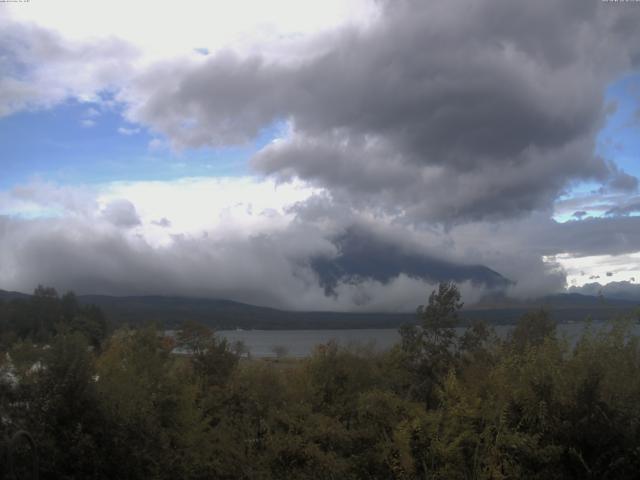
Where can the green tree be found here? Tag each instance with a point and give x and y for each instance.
(211, 357)
(431, 345)
(532, 330)
(63, 412)
(153, 428)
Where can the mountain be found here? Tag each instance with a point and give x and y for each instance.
(227, 314)
(6, 296)
(170, 311)
(556, 301)
(363, 255)
(564, 307)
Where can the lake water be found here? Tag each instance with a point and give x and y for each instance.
(300, 343)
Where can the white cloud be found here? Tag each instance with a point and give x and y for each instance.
(40, 67)
(186, 206)
(77, 49)
(251, 239)
(157, 144)
(217, 205)
(233, 238)
(44, 199)
(128, 131)
(601, 269)
(194, 24)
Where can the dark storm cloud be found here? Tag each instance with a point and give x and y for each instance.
(622, 181)
(592, 236)
(448, 111)
(224, 101)
(427, 193)
(541, 235)
(619, 181)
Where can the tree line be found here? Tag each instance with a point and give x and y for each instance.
(439, 404)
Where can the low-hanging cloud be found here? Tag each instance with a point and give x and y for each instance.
(312, 254)
(270, 268)
(625, 290)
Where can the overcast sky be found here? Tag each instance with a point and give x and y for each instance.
(320, 155)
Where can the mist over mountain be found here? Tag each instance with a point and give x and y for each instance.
(363, 256)
(624, 290)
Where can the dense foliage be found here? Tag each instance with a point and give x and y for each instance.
(439, 405)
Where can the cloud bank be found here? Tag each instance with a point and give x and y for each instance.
(435, 141)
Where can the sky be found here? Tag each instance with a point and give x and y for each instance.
(334, 155)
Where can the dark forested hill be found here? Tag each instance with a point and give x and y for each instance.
(4, 295)
(171, 311)
(225, 314)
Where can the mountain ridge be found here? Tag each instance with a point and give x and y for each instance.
(170, 311)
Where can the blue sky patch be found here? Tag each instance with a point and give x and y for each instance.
(88, 143)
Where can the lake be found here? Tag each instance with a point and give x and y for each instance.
(300, 343)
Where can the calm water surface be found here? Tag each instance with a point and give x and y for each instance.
(300, 343)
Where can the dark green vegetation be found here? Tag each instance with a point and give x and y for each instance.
(225, 314)
(439, 405)
(170, 312)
